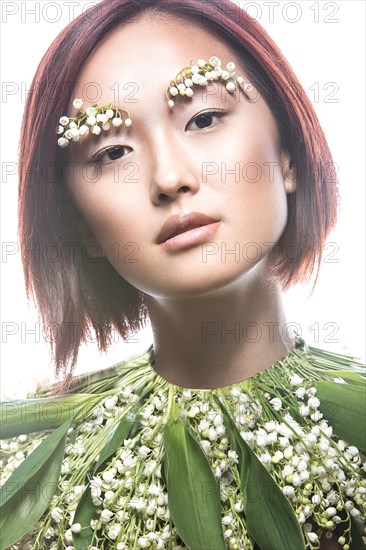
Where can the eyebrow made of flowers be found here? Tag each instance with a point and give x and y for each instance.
(94, 119)
(199, 72)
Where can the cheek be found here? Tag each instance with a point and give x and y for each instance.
(105, 219)
(253, 186)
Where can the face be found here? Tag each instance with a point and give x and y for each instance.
(215, 154)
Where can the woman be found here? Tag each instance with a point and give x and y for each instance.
(191, 191)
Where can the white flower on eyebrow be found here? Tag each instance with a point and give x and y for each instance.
(77, 103)
(94, 119)
(200, 72)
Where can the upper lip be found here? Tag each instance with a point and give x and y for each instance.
(184, 221)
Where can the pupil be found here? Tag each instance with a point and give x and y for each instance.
(114, 153)
(203, 120)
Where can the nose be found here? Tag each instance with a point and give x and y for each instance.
(173, 170)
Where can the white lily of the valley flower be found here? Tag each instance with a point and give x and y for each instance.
(230, 86)
(101, 117)
(117, 122)
(296, 380)
(144, 451)
(235, 392)
(106, 515)
(311, 438)
(238, 506)
(283, 442)
(276, 403)
(63, 142)
(288, 490)
(304, 410)
(111, 402)
(68, 535)
(193, 411)
(91, 120)
(300, 392)
(77, 103)
(113, 531)
(270, 426)
(108, 496)
(277, 457)
(271, 437)
(352, 450)
(214, 61)
(84, 130)
(56, 514)
(313, 402)
(96, 130)
(109, 475)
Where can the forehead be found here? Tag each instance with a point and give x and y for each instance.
(136, 61)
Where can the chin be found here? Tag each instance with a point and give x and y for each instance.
(202, 282)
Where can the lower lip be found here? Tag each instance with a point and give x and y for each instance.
(190, 238)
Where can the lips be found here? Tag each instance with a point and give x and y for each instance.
(181, 223)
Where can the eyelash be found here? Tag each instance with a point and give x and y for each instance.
(97, 158)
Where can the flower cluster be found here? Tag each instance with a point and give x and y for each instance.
(276, 413)
(94, 119)
(207, 420)
(14, 452)
(320, 477)
(201, 72)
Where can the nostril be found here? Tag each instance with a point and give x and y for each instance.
(162, 197)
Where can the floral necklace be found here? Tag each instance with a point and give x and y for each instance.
(129, 460)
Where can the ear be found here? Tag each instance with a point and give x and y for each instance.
(91, 247)
(288, 171)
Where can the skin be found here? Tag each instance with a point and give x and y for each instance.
(168, 149)
(182, 291)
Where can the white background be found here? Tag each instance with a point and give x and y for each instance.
(324, 43)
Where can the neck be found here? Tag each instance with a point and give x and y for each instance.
(219, 339)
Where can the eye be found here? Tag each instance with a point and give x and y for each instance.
(206, 119)
(112, 153)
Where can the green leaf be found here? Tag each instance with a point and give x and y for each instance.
(34, 415)
(86, 510)
(193, 492)
(344, 407)
(270, 518)
(357, 542)
(348, 376)
(127, 427)
(26, 494)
